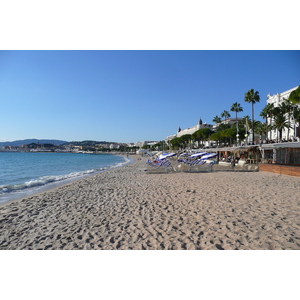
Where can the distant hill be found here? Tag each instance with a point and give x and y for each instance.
(29, 141)
(89, 143)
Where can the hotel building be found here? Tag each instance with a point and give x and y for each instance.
(277, 100)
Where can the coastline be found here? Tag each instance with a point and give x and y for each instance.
(126, 208)
(31, 191)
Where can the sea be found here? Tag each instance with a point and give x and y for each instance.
(26, 173)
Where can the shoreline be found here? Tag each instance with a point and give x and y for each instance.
(126, 208)
(31, 191)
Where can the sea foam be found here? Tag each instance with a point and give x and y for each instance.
(15, 191)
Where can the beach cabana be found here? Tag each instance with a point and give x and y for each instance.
(281, 153)
(281, 158)
(242, 158)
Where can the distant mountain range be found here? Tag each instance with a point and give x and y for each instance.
(29, 141)
(55, 142)
(89, 143)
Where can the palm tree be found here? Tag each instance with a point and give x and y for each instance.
(252, 97)
(267, 112)
(225, 114)
(294, 96)
(261, 128)
(288, 109)
(217, 120)
(264, 114)
(245, 124)
(280, 122)
(245, 120)
(237, 108)
(294, 99)
(269, 109)
(296, 117)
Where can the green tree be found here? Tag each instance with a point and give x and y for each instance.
(280, 120)
(294, 96)
(217, 120)
(201, 135)
(269, 111)
(229, 133)
(175, 143)
(261, 128)
(296, 116)
(160, 146)
(252, 97)
(216, 137)
(197, 136)
(185, 140)
(225, 114)
(287, 108)
(294, 99)
(264, 114)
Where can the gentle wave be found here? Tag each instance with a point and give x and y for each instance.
(44, 180)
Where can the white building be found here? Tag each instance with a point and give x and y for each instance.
(277, 100)
(228, 121)
(145, 143)
(189, 130)
(114, 146)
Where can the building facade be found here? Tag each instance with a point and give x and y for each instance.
(190, 130)
(276, 100)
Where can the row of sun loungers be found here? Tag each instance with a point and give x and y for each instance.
(166, 166)
(163, 166)
(194, 164)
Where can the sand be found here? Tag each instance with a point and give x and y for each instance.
(126, 208)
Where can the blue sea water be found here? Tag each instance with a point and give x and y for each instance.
(25, 173)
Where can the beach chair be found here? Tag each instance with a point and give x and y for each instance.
(183, 165)
(245, 166)
(160, 166)
(250, 167)
(201, 166)
(196, 165)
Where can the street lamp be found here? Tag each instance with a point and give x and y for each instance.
(246, 136)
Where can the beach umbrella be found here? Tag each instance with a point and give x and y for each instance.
(184, 154)
(198, 154)
(165, 155)
(209, 155)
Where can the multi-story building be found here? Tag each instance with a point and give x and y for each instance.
(277, 100)
(140, 145)
(189, 130)
(229, 121)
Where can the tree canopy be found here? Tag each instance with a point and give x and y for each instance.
(295, 96)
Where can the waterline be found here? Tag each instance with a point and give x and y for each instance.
(20, 188)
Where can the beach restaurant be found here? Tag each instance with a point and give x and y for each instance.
(281, 158)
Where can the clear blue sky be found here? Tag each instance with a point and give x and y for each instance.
(129, 96)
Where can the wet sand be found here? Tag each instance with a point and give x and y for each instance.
(126, 208)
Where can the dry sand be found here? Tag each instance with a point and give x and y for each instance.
(127, 208)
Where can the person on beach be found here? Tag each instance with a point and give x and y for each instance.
(233, 162)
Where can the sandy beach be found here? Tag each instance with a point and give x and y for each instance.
(126, 208)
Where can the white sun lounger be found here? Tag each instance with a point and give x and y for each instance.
(163, 166)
